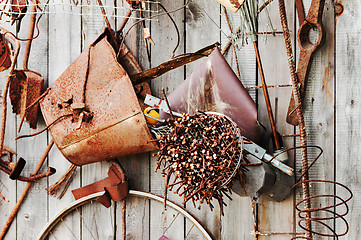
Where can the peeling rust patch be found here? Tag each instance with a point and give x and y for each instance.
(326, 86)
(339, 8)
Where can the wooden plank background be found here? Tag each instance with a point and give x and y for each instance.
(331, 113)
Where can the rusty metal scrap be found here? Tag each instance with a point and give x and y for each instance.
(172, 64)
(25, 88)
(26, 190)
(118, 127)
(5, 60)
(313, 20)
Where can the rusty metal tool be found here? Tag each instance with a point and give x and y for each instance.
(172, 64)
(15, 168)
(313, 21)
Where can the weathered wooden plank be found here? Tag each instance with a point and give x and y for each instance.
(64, 48)
(8, 186)
(101, 220)
(161, 52)
(237, 222)
(347, 100)
(202, 27)
(33, 213)
(136, 166)
(319, 114)
(275, 216)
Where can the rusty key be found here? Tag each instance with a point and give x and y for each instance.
(313, 21)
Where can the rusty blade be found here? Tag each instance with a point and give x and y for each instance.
(302, 74)
(172, 64)
(315, 13)
(300, 11)
(307, 49)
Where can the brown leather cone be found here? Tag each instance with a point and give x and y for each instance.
(116, 127)
(213, 86)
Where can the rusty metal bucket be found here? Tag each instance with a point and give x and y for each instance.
(94, 110)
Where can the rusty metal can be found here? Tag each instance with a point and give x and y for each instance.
(96, 81)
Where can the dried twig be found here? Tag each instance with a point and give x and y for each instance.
(63, 182)
(234, 47)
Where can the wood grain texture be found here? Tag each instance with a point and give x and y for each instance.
(137, 167)
(8, 186)
(102, 223)
(64, 48)
(270, 216)
(33, 212)
(237, 222)
(331, 111)
(161, 52)
(348, 99)
(202, 27)
(319, 113)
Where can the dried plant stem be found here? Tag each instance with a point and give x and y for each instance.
(255, 219)
(125, 20)
(6, 89)
(264, 6)
(266, 97)
(25, 192)
(65, 181)
(166, 101)
(124, 224)
(234, 47)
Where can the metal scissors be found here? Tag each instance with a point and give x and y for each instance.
(313, 21)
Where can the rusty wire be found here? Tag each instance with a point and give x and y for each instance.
(331, 210)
